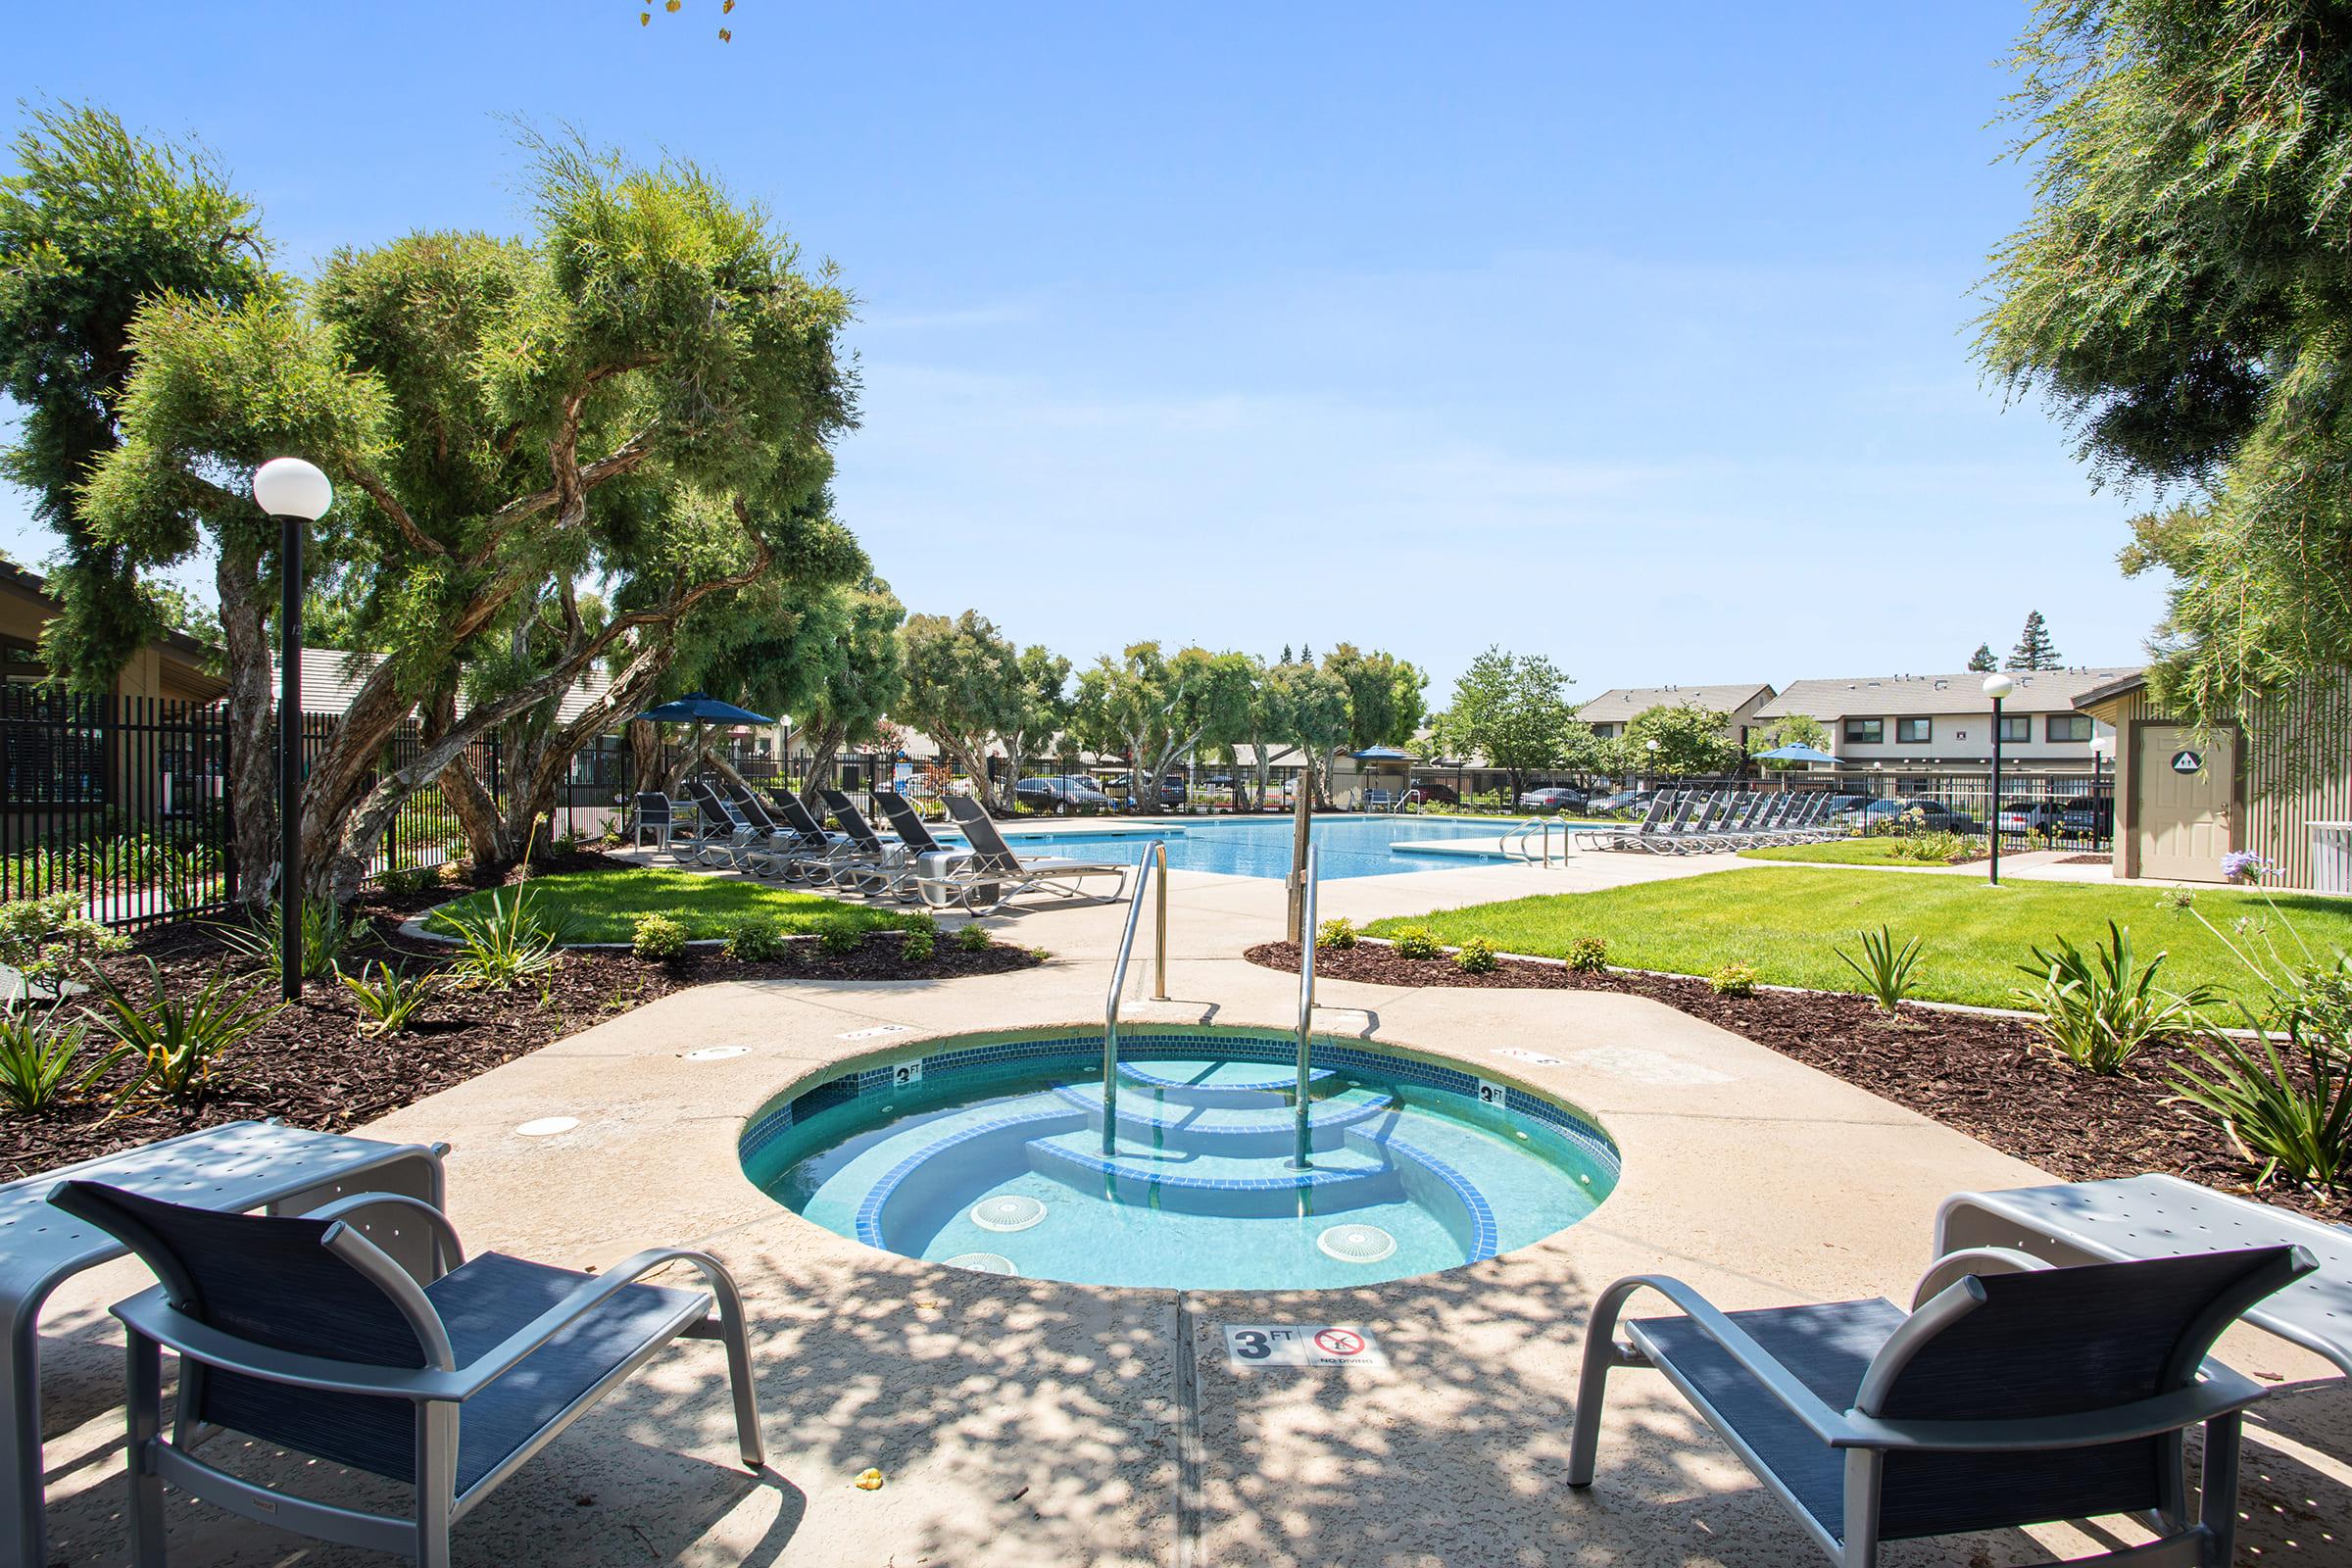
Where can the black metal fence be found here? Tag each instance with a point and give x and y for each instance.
(126, 800)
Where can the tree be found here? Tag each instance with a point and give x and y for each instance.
(1385, 703)
(1307, 709)
(96, 224)
(963, 687)
(1510, 709)
(1792, 729)
(2034, 650)
(1036, 709)
(2180, 297)
(1157, 710)
(1982, 660)
(642, 393)
(1691, 741)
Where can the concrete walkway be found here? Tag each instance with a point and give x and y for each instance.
(1029, 1423)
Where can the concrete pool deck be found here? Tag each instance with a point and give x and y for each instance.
(1026, 1422)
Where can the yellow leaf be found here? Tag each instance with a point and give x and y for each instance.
(644, 19)
(869, 1480)
(724, 36)
(671, 6)
(725, 6)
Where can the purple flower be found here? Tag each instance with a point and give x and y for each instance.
(2243, 865)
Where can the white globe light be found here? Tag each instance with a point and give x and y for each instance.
(1997, 687)
(289, 487)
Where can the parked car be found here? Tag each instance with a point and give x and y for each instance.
(2042, 818)
(1623, 801)
(1551, 799)
(1121, 789)
(1061, 794)
(1430, 791)
(1932, 816)
(1847, 809)
(2086, 817)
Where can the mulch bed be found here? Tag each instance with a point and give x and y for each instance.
(1980, 1074)
(310, 1066)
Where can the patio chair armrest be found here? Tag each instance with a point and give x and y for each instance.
(449, 1250)
(1953, 1266)
(2219, 1391)
(500, 1358)
(1831, 1426)
(151, 1314)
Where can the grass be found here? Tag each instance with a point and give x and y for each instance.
(1787, 923)
(605, 905)
(1837, 851)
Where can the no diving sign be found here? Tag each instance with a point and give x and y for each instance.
(1254, 1345)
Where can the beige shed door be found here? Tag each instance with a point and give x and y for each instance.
(2184, 784)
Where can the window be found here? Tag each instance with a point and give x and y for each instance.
(1915, 731)
(1603, 731)
(2017, 727)
(2068, 727)
(1865, 732)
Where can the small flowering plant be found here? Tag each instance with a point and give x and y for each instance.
(2310, 992)
(2244, 868)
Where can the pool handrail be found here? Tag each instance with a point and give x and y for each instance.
(1118, 983)
(1302, 1136)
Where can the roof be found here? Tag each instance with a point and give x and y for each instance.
(1618, 706)
(35, 585)
(331, 679)
(2039, 691)
(2120, 687)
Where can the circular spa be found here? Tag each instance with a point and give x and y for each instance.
(989, 1154)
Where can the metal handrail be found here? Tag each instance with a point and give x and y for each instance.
(1307, 1007)
(1118, 983)
(1540, 824)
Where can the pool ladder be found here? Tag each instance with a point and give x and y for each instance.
(1542, 827)
(1150, 872)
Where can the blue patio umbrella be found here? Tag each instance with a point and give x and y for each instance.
(1797, 752)
(1383, 753)
(705, 707)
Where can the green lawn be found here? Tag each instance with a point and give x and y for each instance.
(1837, 851)
(1786, 922)
(605, 905)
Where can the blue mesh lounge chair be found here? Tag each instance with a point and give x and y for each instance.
(302, 1333)
(2012, 1393)
(804, 850)
(995, 874)
(879, 868)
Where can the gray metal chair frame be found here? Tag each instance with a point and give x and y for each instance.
(1609, 838)
(806, 850)
(241, 1166)
(996, 874)
(2028, 1450)
(315, 1402)
(880, 867)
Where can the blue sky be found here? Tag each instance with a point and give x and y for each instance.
(1638, 338)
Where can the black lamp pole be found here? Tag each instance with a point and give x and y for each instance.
(289, 756)
(1997, 791)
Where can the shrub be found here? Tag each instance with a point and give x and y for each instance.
(1937, 848)
(406, 881)
(2296, 1123)
(503, 941)
(973, 938)
(919, 944)
(41, 1060)
(180, 1041)
(755, 942)
(52, 938)
(1416, 942)
(1734, 980)
(1337, 933)
(387, 1002)
(2099, 1010)
(327, 933)
(841, 939)
(1476, 956)
(658, 939)
(187, 875)
(1589, 954)
(1887, 971)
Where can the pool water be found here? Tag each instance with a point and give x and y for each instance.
(1349, 845)
(997, 1164)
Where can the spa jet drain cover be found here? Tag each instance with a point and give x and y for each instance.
(1010, 1211)
(1356, 1244)
(983, 1262)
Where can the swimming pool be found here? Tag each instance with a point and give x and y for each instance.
(1349, 845)
(987, 1154)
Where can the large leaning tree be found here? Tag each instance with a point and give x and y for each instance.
(1512, 711)
(2181, 295)
(1157, 709)
(963, 686)
(638, 396)
(96, 222)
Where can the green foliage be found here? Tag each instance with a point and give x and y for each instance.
(973, 938)
(753, 942)
(2298, 1122)
(52, 938)
(1416, 942)
(1476, 956)
(2034, 650)
(180, 1042)
(1384, 705)
(187, 874)
(1511, 709)
(1981, 661)
(1587, 954)
(919, 944)
(841, 938)
(1734, 980)
(1794, 730)
(658, 939)
(962, 684)
(1154, 710)
(41, 1059)
(327, 934)
(407, 881)
(2099, 1010)
(1691, 741)
(1887, 971)
(391, 999)
(1337, 933)
(504, 938)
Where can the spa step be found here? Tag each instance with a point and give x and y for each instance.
(1240, 1130)
(1200, 1183)
(1224, 1083)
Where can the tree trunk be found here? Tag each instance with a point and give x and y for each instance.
(252, 744)
(461, 790)
(647, 771)
(827, 747)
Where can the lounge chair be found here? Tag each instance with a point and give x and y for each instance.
(654, 813)
(803, 851)
(302, 1333)
(728, 835)
(912, 831)
(1610, 838)
(880, 867)
(995, 874)
(2012, 1393)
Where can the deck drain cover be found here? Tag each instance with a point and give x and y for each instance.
(1356, 1244)
(717, 1052)
(548, 1126)
(983, 1262)
(1013, 1211)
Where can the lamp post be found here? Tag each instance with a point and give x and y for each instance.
(297, 495)
(1996, 687)
(1652, 744)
